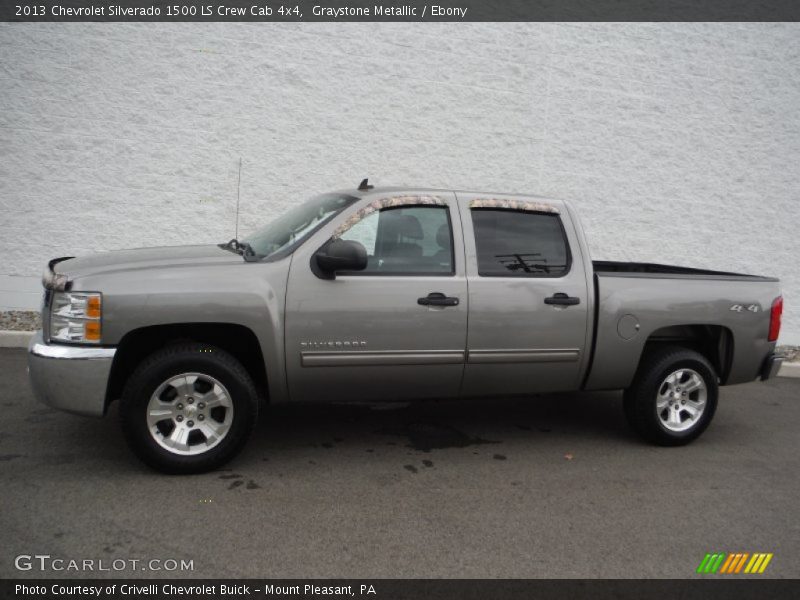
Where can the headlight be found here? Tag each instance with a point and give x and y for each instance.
(76, 317)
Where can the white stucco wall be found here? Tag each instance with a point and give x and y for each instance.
(679, 143)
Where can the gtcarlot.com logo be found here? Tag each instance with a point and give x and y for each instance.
(733, 563)
(46, 562)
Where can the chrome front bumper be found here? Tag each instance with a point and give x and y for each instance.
(70, 378)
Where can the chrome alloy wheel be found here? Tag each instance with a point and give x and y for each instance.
(681, 400)
(189, 413)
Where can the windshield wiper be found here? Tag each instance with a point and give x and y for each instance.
(243, 249)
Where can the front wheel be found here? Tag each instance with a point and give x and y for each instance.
(188, 408)
(673, 397)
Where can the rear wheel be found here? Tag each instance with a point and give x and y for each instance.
(188, 408)
(673, 397)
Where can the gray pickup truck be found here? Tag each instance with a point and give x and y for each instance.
(390, 294)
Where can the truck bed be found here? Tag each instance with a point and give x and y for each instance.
(648, 297)
(637, 269)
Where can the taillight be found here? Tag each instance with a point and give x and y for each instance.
(775, 318)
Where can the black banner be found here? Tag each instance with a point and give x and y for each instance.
(397, 10)
(402, 589)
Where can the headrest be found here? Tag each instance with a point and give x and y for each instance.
(443, 236)
(405, 225)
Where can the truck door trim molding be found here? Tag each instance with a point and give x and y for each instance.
(381, 358)
(524, 355)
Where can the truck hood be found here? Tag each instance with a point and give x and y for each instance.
(145, 258)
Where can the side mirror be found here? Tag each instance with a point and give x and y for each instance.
(339, 255)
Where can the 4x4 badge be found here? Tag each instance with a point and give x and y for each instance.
(754, 308)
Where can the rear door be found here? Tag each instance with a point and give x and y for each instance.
(528, 296)
(396, 330)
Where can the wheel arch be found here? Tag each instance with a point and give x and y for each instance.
(714, 342)
(237, 340)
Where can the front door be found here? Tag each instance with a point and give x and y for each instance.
(396, 330)
(528, 300)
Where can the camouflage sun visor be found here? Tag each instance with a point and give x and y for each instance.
(383, 203)
(525, 205)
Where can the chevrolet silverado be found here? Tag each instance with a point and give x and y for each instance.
(390, 294)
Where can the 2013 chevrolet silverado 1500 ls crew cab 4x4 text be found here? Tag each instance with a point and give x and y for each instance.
(390, 294)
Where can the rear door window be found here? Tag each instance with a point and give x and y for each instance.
(512, 243)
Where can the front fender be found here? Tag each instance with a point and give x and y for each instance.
(251, 295)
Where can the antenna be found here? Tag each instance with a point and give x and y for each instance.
(364, 185)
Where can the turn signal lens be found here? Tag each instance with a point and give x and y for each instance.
(91, 331)
(93, 307)
(775, 319)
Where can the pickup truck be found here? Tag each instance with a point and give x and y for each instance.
(382, 294)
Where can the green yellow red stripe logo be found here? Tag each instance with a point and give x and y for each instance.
(731, 563)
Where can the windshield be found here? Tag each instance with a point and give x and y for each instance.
(286, 232)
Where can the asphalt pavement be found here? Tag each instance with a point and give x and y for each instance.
(550, 486)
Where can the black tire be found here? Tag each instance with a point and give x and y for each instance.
(173, 361)
(640, 399)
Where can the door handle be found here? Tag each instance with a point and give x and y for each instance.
(562, 299)
(437, 299)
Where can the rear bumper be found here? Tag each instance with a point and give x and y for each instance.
(70, 378)
(771, 366)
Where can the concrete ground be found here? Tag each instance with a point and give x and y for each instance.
(554, 486)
